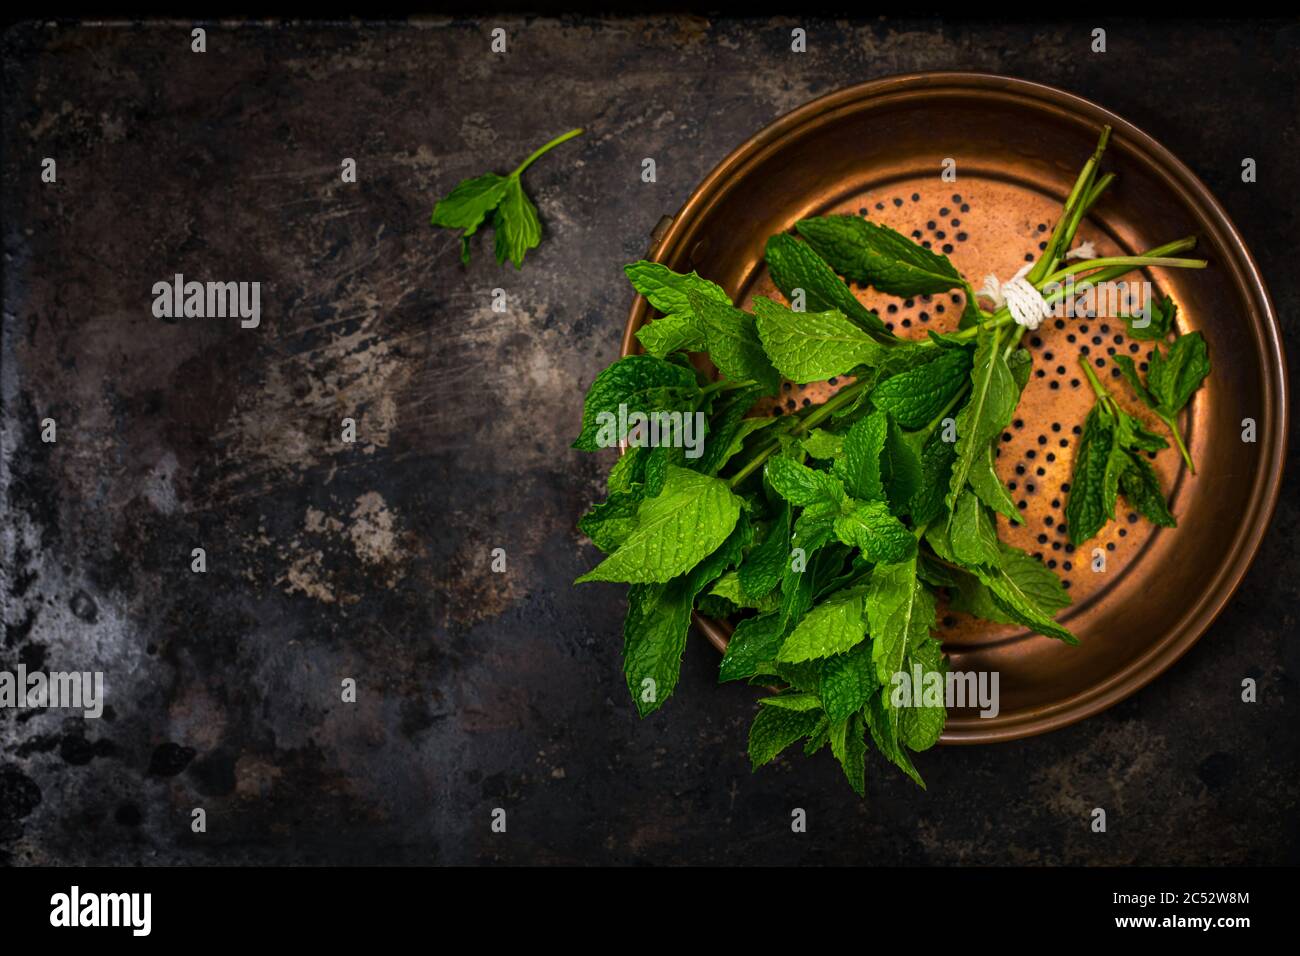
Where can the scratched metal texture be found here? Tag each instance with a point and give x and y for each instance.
(326, 561)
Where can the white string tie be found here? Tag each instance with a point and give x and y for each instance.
(1022, 300)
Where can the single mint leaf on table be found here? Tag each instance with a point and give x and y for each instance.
(514, 216)
(793, 265)
(691, 517)
(812, 346)
(868, 252)
(1174, 375)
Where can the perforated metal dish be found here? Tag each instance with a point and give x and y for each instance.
(878, 150)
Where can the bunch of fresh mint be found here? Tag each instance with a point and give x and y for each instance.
(825, 534)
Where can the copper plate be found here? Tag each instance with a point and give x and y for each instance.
(1017, 147)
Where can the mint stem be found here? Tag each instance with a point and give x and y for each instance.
(541, 151)
(1097, 387)
(1172, 422)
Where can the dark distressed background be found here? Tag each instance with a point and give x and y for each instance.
(481, 690)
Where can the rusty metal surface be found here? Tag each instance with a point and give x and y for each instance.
(876, 150)
(479, 690)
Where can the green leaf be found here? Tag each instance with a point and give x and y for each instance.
(860, 467)
(900, 467)
(658, 622)
(687, 521)
(801, 485)
(820, 443)
(972, 533)
(727, 431)
(774, 729)
(1089, 505)
(831, 627)
(642, 383)
(517, 226)
(900, 614)
(609, 523)
(883, 722)
(1033, 579)
(937, 456)
(753, 645)
(796, 701)
(812, 346)
(988, 487)
(847, 681)
(733, 344)
(921, 724)
(468, 205)
(1021, 364)
(1140, 486)
(917, 397)
(1130, 371)
(1173, 377)
(875, 532)
(849, 745)
(761, 570)
(1017, 594)
(670, 292)
(992, 402)
(793, 265)
(869, 252)
(1153, 327)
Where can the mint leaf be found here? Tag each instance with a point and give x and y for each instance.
(793, 265)
(917, 397)
(831, 627)
(849, 746)
(847, 681)
(921, 724)
(517, 226)
(733, 344)
(875, 532)
(642, 383)
(812, 346)
(1172, 377)
(984, 481)
(992, 402)
(774, 729)
(760, 572)
(1090, 504)
(972, 533)
(679, 329)
(1140, 487)
(820, 443)
(752, 646)
(514, 216)
(609, 523)
(688, 520)
(468, 205)
(937, 456)
(900, 613)
(871, 253)
(1153, 327)
(883, 722)
(801, 485)
(796, 701)
(859, 467)
(727, 429)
